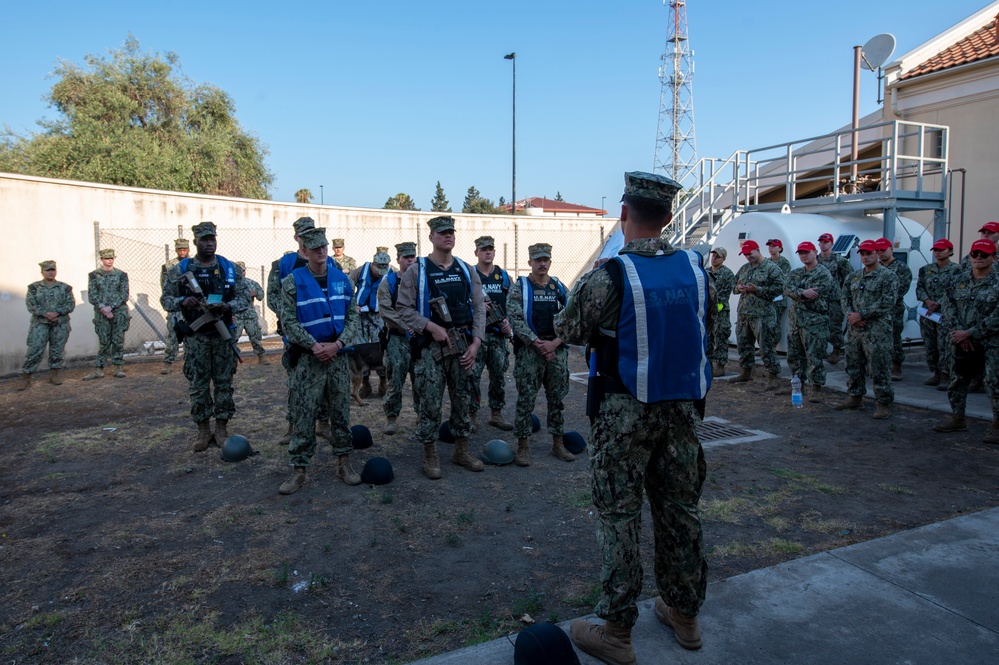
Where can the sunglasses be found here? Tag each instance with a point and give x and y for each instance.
(979, 255)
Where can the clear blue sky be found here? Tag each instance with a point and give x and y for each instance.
(371, 98)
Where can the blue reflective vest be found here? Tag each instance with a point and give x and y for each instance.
(367, 288)
(423, 296)
(393, 282)
(286, 264)
(527, 294)
(322, 314)
(661, 334)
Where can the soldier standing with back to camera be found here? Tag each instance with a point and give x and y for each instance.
(646, 314)
(107, 291)
(495, 351)
(840, 268)
(209, 360)
(542, 359)
(439, 364)
(181, 248)
(49, 302)
(398, 356)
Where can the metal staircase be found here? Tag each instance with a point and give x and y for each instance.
(901, 167)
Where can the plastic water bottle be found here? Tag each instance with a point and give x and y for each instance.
(796, 391)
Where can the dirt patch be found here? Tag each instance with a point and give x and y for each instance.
(118, 545)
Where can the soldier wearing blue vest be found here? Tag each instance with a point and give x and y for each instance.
(398, 357)
(366, 280)
(443, 275)
(495, 351)
(319, 313)
(647, 314)
(280, 269)
(541, 357)
(209, 360)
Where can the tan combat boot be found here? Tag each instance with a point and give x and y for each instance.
(773, 382)
(391, 427)
(463, 458)
(746, 375)
(816, 395)
(262, 360)
(496, 420)
(204, 436)
(992, 436)
(345, 472)
(685, 628)
(610, 642)
(323, 429)
(119, 373)
(25, 381)
(523, 455)
(559, 451)
(54, 377)
(221, 431)
(286, 437)
(167, 368)
(944, 382)
(883, 411)
(96, 374)
(896, 371)
(851, 402)
(955, 423)
(718, 369)
(296, 480)
(834, 356)
(431, 463)
(933, 380)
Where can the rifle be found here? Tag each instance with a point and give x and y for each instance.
(209, 317)
(459, 343)
(494, 317)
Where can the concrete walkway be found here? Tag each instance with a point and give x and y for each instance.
(929, 595)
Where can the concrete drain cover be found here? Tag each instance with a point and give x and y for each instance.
(716, 431)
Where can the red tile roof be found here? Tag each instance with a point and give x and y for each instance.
(552, 206)
(981, 44)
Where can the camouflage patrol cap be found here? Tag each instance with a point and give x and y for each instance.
(181, 243)
(337, 242)
(441, 224)
(380, 248)
(542, 250)
(203, 229)
(720, 251)
(382, 259)
(406, 249)
(47, 265)
(314, 238)
(303, 224)
(651, 186)
(484, 241)
(106, 253)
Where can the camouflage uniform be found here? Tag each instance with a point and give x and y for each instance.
(247, 319)
(933, 284)
(109, 288)
(872, 295)
(757, 320)
(780, 304)
(208, 359)
(899, 312)
(531, 370)
(494, 353)
(634, 446)
(347, 264)
(398, 356)
(40, 299)
(724, 281)
(808, 322)
(972, 307)
(840, 268)
(432, 376)
(172, 344)
(314, 383)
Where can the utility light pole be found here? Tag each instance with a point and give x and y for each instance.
(513, 203)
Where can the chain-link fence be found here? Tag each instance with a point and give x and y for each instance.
(142, 252)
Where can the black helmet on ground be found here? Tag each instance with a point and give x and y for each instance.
(236, 449)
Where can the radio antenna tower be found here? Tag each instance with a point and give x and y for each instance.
(676, 150)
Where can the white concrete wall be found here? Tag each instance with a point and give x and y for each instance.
(43, 218)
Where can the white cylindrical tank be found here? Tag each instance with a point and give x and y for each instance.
(912, 245)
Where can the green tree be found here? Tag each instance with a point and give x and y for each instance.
(558, 196)
(439, 203)
(476, 203)
(304, 196)
(400, 201)
(133, 119)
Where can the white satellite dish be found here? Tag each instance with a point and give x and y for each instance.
(877, 51)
